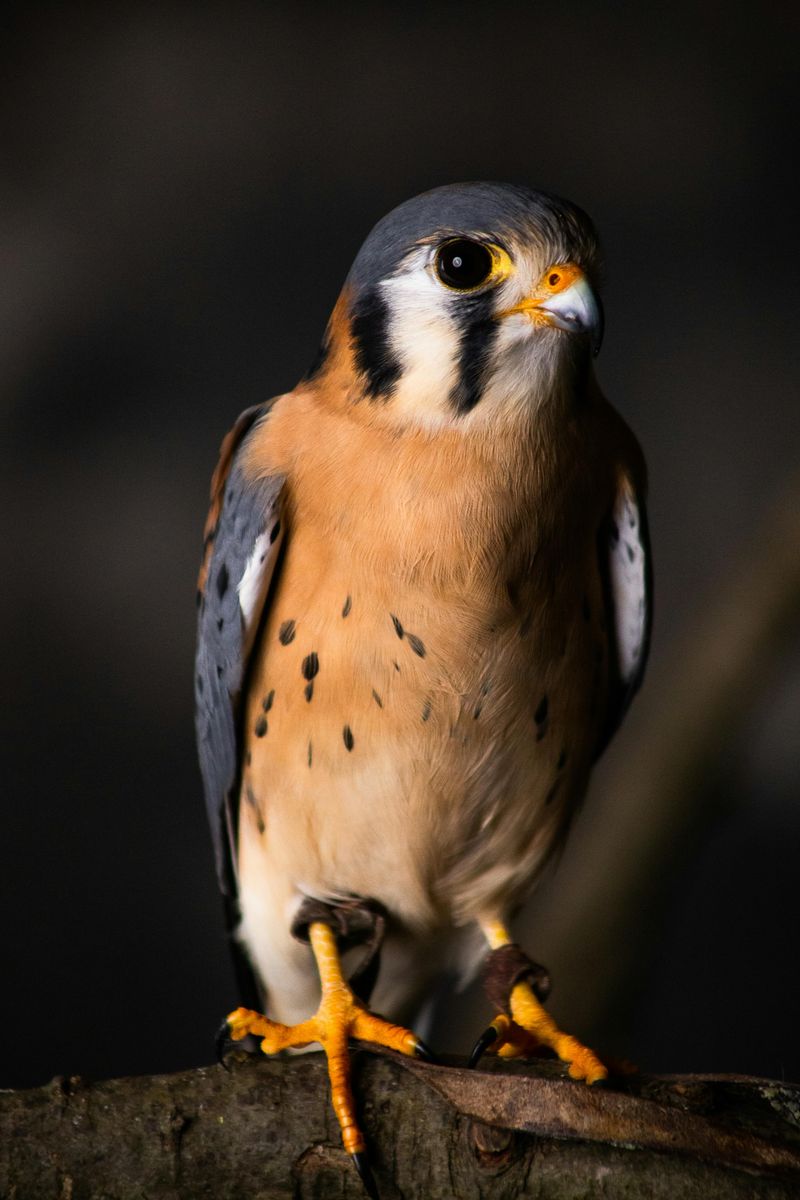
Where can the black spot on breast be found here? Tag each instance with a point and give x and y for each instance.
(347, 606)
(562, 761)
(347, 735)
(416, 644)
(220, 623)
(260, 727)
(266, 703)
(252, 800)
(377, 698)
(551, 795)
(540, 717)
(286, 633)
(613, 532)
(200, 684)
(374, 357)
(398, 628)
(310, 665)
(310, 753)
(223, 580)
(426, 710)
(273, 533)
(396, 665)
(630, 552)
(308, 690)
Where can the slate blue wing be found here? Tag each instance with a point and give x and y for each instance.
(244, 534)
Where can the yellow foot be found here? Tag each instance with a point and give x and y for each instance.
(531, 1029)
(339, 1017)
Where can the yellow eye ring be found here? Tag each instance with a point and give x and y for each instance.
(466, 265)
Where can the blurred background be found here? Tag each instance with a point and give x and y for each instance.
(183, 188)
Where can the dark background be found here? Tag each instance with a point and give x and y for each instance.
(182, 190)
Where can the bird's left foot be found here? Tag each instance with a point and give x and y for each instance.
(517, 986)
(529, 1031)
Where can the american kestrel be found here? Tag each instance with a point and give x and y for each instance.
(424, 609)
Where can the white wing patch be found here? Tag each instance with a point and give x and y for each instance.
(255, 581)
(628, 578)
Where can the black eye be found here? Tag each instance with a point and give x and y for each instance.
(463, 264)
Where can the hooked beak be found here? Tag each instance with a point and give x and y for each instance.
(565, 298)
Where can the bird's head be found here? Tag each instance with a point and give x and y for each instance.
(468, 301)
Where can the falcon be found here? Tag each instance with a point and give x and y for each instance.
(424, 610)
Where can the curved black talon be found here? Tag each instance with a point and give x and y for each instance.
(482, 1045)
(361, 1163)
(424, 1052)
(221, 1041)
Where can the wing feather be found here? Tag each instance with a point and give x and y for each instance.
(244, 534)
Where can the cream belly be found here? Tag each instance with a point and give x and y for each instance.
(416, 749)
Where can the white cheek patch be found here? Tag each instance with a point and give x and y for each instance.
(425, 340)
(628, 578)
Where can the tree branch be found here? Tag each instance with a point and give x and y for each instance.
(266, 1131)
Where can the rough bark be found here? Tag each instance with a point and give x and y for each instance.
(265, 1131)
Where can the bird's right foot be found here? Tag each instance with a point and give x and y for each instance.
(340, 1016)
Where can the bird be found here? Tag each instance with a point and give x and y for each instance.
(424, 608)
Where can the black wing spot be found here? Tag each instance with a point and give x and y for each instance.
(309, 690)
(286, 633)
(348, 604)
(347, 735)
(426, 710)
(273, 533)
(562, 761)
(266, 703)
(200, 684)
(630, 552)
(540, 716)
(377, 698)
(398, 628)
(310, 665)
(310, 753)
(260, 727)
(220, 623)
(223, 580)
